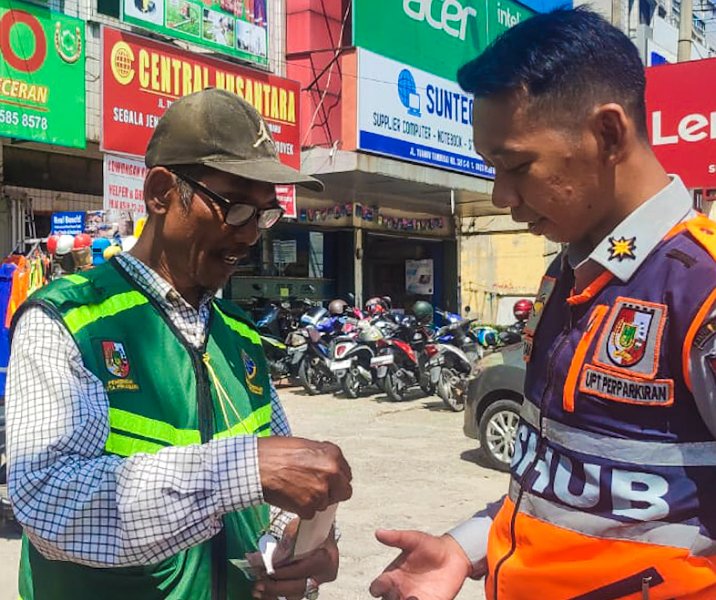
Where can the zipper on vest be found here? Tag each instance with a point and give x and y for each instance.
(530, 470)
(639, 582)
(206, 423)
(206, 429)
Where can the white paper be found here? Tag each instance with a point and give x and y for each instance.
(313, 532)
(267, 547)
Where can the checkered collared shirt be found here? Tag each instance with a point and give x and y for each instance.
(78, 504)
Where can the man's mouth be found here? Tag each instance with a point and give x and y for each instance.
(233, 257)
(535, 225)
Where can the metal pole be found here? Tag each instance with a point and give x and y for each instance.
(617, 14)
(685, 29)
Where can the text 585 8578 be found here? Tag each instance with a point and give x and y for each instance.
(16, 118)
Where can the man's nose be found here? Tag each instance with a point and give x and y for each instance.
(504, 195)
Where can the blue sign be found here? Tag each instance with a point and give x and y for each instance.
(657, 59)
(409, 114)
(544, 6)
(71, 223)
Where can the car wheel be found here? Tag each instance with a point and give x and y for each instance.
(498, 430)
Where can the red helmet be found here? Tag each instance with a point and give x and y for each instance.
(375, 306)
(522, 309)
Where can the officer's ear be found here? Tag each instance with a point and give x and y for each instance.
(160, 190)
(613, 131)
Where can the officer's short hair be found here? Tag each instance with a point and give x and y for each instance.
(568, 61)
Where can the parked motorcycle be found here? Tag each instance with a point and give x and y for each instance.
(402, 360)
(314, 371)
(359, 357)
(451, 360)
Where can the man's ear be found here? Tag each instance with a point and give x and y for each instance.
(159, 190)
(613, 131)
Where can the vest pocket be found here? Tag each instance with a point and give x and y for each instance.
(639, 582)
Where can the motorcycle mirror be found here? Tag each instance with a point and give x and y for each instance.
(352, 297)
(467, 310)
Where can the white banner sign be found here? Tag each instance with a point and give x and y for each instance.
(413, 115)
(124, 184)
(419, 276)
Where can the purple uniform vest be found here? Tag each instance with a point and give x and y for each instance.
(624, 452)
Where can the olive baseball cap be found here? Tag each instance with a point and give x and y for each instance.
(218, 129)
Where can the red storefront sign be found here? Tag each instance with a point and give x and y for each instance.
(681, 112)
(141, 78)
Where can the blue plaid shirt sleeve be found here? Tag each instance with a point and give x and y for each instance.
(80, 505)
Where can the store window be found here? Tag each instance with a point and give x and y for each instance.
(110, 8)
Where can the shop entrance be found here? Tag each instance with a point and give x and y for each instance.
(384, 270)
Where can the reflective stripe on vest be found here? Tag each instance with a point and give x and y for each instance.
(240, 328)
(82, 316)
(675, 535)
(76, 279)
(623, 450)
(155, 435)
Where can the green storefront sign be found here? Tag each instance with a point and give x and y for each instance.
(235, 27)
(437, 36)
(42, 75)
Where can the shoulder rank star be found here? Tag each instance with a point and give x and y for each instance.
(622, 248)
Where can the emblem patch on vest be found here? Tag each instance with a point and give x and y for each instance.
(117, 364)
(622, 248)
(631, 339)
(252, 371)
(115, 359)
(704, 334)
(543, 295)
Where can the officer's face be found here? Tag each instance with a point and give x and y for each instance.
(550, 179)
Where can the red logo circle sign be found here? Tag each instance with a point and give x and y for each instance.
(32, 63)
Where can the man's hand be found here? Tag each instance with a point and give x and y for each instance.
(303, 476)
(428, 568)
(289, 580)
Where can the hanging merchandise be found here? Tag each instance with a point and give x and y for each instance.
(111, 251)
(99, 245)
(139, 226)
(20, 276)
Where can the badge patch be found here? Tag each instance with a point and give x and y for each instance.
(622, 248)
(543, 295)
(631, 339)
(626, 344)
(602, 383)
(115, 359)
(704, 334)
(526, 348)
(252, 371)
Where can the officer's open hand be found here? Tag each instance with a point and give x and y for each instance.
(303, 476)
(428, 568)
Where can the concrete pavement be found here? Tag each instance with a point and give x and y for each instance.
(412, 468)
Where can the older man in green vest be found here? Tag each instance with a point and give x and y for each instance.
(149, 453)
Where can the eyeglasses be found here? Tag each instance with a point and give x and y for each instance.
(237, 214)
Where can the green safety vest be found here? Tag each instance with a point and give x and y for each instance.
(162, 392)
